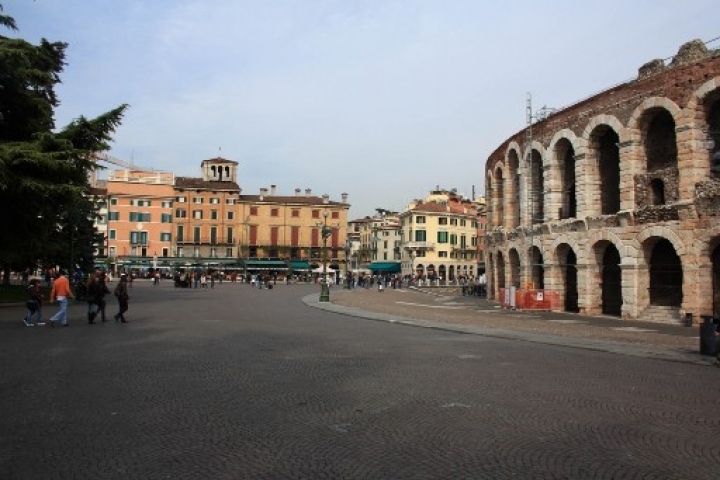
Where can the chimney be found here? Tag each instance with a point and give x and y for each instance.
(326, 198)
(297, 192)
(263, 192)
(308, 192)
(344, 197)
(272, 190)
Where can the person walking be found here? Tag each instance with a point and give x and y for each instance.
(34, 304)
(121, 292)
(60, 292)
(102, 290)
(96, 296)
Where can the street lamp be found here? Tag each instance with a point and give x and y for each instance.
(347, 265)
(411, 254)
(326, 232)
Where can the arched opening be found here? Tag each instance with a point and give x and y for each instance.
(611, 281)
(514, 199)
(500, 270)
(660, 141)
(568, 264)
(538, 268)
(430, 272)
(499, 192)
(451, 273)
(442, 273)
(514, 268)
(713, 122)
(490, 277)
(420, 270)
(657, 192)
(716, 280)
(537, 188)
(605, 142)
(565, 154)
(666, 275)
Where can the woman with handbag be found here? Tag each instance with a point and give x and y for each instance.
(34, 304)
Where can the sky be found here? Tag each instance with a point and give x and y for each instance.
(384, 100)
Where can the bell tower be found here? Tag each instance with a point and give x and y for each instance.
(219, 170)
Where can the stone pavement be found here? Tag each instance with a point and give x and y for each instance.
(482, 317)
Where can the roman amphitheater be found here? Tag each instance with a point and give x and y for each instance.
(612, 205)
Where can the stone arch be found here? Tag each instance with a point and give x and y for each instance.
(698, 113)
(498, 200)
(515, 267)
(665, 269)
(602, 165)
(659, 231)
(500, 269)
(537, 267)
(512, 190)
(635, 121)
(567, 261)
(605, 258)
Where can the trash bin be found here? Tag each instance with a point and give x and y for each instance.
(708, 327)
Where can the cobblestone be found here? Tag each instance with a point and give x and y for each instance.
(236, 382)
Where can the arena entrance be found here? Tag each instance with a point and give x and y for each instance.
(611, 282)
(666, 275)
(571, 286)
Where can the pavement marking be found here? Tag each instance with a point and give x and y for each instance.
(567, 321)
(430, 306)
(632, 329)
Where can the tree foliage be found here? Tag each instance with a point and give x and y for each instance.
(44, 173)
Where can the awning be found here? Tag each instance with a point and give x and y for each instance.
(265, 264)
(384, 267)
(299, 265)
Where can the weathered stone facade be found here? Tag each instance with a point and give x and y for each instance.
(611, 204)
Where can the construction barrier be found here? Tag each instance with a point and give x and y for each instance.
(534, 299)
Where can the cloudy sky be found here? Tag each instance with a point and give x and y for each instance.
(382, 99)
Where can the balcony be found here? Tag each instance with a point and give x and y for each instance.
(204, 241)
(418, 246)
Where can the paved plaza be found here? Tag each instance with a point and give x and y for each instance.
(236, 382)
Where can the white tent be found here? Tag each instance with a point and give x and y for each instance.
(330, 271)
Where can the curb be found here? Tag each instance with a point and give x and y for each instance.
(617, 348)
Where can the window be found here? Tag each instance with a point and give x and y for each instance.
(420, 235)
(214, 201)
(114, 216)
(453, 221)
(139, 217)
(213, 252)
(419, 219)
(180, 213)
(442, 221)
(230, 215)
(230, 201)
(229, 235)
(442, 254)
(442, 237)
(112, 235)
(463, 241)
(181, 199)
(112, 252)
(335, 215)
(197, 214)
(295, 213)
(113, 201)
(196, 235)
(253, 210)
(213, 214)
(196, 252)
(316, 214)
(167, 204)
(453, 239)
(274, 212)
(165, 237)
(198, 200)
(138, 238)
(180, 252)
(166, 218)
(180, 233)
(462, 223)
(228, 253)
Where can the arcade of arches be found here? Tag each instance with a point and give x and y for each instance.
(615, 209)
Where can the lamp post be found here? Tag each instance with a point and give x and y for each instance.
(411, 254)
(326, 232)
(347, 265)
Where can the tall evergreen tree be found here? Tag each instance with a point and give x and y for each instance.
(44, 174)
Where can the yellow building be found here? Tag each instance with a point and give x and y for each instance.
(439, 237)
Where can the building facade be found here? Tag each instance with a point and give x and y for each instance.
(612, 205)
(439, 238)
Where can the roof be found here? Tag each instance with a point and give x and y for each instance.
(200, 184)
(290, 199)
(448, 209)
(220, 160)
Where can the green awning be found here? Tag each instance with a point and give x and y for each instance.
(265, 264)
(384, 267)
(299, 265)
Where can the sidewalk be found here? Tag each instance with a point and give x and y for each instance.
(481, 317)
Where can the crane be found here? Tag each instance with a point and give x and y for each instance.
(105, 158)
